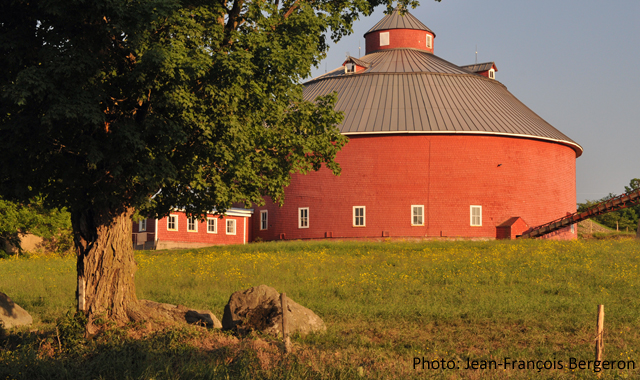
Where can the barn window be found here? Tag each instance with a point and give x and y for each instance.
(172, 223)
(192, 224)
(384, 39)
(349, 68)
(476, 216)
(359, 216)
(573, 228)
(417, 215)
(231, 227)
(492, 74)
(303, 217)
(264, 219)
(429, 41)
(142, 225)
(212, 226)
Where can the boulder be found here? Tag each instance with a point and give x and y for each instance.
(180, 313)
(259, 308)
(11, 314)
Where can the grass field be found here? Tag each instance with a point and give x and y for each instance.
(384, 304)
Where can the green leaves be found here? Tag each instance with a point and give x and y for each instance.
(104, 104)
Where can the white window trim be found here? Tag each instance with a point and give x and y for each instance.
(300, 217)
(471, 215)
(492, 74)
(233, 221)
(266, 220)
(349, 68)
(384, 39)
(421, 215)
(169, 221)
(195, 224)
(140, 222)
(429, 41)
(215, 226)
(364, 216)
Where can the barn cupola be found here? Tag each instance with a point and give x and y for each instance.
(399, 31)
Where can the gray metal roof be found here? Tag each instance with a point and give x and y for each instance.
(480, 67)
(357, 61)
(413, 91)
(396, 21)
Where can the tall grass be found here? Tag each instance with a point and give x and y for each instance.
(385, 303)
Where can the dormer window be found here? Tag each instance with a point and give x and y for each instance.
(349, 68)
(384, 39)
(492, 74)
(429, 41)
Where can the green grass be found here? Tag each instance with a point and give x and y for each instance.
(384, 304)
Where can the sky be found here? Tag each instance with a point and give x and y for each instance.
(574, 63)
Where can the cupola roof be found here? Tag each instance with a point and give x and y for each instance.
(397, 21)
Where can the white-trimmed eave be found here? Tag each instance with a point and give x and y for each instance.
(234, 211)
(576, 147)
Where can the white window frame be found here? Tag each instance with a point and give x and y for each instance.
(215, 225)
(142, 225)
(192, 221)
(175, 222)
(231, 222)
(363, 216)
(384, 39)
(475, 207)
(303, 221)
(429, 41)
(413, 215)
(264, 220)
(492, 74)
(349, 68)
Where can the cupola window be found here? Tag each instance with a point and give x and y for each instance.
(492, 74)
(384, 39)
(429, 41)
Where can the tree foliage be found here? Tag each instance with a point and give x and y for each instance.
(53, 225)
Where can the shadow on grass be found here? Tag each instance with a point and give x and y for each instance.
(173, 353)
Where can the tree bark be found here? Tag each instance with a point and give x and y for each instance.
(105, 266)
(106, 288)
(638, 231)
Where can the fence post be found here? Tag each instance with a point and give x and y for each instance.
(285, 323)
(599, 335)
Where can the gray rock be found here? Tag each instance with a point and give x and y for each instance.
(11, 314)
(180, 313)
(259, 308)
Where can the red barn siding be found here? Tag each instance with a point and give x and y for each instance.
(447, 174)
(184, 238)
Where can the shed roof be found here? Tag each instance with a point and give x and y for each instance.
(397, 21)
(413, 91)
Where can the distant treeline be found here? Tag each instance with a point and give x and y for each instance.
(17, 220)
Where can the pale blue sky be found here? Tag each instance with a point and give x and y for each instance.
(572, 62)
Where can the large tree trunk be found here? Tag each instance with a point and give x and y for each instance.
(105, 265)
(106, 288)
(638, 231)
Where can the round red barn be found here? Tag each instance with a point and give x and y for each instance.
(435, 150)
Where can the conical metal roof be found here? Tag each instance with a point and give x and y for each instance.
(397, 21)
(413, 91)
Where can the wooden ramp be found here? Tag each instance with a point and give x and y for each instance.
(618, 203)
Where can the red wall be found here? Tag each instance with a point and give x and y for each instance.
(221, 237)
(507, 176)
(399, 38)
